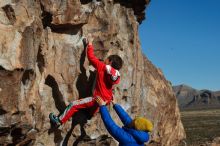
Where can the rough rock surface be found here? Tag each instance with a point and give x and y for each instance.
(43, 67)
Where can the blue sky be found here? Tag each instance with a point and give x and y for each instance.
(182, 37)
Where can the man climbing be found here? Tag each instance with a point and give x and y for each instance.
(134, 132)
(107, 75)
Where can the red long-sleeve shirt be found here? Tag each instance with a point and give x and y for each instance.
(106, 77)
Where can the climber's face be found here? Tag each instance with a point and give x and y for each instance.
(107, 62)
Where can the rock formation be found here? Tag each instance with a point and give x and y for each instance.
(43, 67)
(189, 97)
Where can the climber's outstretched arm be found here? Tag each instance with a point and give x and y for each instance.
(117, 132)
(92, 58)
(123, 115)
(90, 54)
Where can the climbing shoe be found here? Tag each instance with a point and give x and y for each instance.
(54, 120)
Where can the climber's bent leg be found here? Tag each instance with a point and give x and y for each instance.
(75, 106)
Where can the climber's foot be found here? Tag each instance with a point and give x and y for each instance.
(54, 120)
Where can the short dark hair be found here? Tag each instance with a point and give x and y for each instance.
(116, 61)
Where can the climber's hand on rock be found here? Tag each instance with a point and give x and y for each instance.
(90, 38)
(100, 101)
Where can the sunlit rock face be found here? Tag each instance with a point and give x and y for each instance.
(43, 66)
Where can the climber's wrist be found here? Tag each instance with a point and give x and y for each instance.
(113, 102)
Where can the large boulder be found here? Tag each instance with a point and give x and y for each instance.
(43, 67)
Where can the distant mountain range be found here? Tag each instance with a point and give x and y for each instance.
(190, 98)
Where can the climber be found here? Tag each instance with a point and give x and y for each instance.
(134, 132)
(107, 75)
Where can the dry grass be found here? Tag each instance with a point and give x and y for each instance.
(201, 126)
